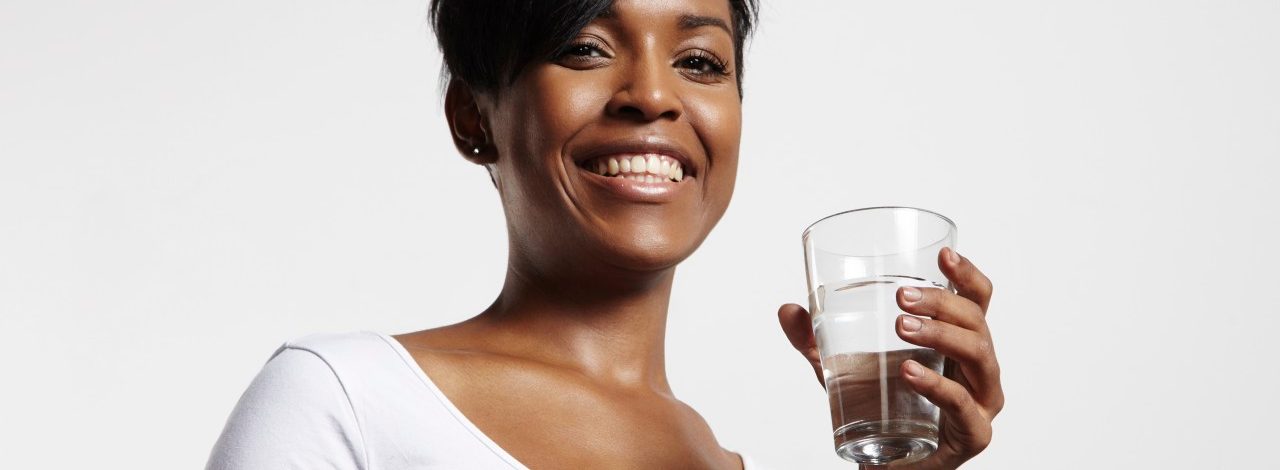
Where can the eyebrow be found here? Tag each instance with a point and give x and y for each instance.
(686, 21)
(695, 21)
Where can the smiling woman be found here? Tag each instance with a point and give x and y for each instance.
(611, 132)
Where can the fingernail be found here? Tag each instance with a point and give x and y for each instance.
(910, 323)
(911, 294)
(953, 256)
(913, 369)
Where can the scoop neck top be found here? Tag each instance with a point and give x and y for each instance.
(356, 400)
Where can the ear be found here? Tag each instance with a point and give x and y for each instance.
(468, 126)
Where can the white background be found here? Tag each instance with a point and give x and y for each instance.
(186, 185)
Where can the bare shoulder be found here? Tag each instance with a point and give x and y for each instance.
(436, 340)
(453, 356)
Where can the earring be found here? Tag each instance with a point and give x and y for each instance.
(475, 150)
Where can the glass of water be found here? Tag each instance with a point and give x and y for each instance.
(855, 262)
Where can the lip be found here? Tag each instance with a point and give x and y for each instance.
(636, 146)
(656, 193)
(638, 191)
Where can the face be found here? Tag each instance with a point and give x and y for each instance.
(625, 148)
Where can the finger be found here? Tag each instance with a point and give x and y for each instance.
(942, 305)
(971, 426)
(968, 280)
(796, 324)
(971, 350)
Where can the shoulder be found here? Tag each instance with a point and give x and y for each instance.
(298, 409)
(315, 362)
(338, 347)
(340, 368)
(315, 365)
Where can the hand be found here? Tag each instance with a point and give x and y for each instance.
(969, 394)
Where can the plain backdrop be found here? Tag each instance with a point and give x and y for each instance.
(186, 185)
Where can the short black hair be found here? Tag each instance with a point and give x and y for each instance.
(488, 43)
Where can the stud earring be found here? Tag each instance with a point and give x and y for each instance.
(475, 150)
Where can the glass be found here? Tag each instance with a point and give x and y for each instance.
(855, 262)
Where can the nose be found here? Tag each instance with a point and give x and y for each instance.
(647, 92)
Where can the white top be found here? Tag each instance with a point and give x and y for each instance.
(352, 401)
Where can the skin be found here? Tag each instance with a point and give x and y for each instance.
(566, 369)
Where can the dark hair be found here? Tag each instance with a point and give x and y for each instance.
(487, 43)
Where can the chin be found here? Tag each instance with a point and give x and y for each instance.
(645, 238)
(647, 254)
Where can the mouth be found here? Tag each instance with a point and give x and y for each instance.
(638, 167)
(649, 169)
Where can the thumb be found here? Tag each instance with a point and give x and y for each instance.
(799, 330)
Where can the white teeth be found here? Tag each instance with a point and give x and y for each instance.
(653, 165)
(651, 168)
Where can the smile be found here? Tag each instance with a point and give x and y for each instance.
(647, 168)
(651, 178)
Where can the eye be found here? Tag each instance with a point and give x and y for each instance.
(700, 62)
(582, 54)
(582, 50)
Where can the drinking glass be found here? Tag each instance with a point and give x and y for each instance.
(855, 262)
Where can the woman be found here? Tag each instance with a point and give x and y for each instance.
(611, 132)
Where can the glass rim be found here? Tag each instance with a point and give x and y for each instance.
(950, 223)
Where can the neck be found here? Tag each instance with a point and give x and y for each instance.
(611, 328)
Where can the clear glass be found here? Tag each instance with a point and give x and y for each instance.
(855, 262)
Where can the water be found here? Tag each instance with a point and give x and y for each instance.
(876, 417)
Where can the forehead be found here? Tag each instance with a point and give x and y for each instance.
(684, 14)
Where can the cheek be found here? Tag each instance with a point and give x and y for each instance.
(718, 122)
(540, 113)
(561, 105)
(538, 116)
